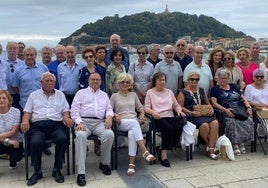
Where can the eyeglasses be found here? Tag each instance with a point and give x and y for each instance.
(228, 58)
(169, 53)
(259, 77)
(125, 82)
(194, 79)
(90, 56)
(143, 53)
(182, 45)
(11, 68)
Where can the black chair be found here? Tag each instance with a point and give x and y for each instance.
(90, 137)
(118, 133)
(49, 142)
(189, 149)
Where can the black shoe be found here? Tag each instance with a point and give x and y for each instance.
(46, 151)
(33, 179)
(81, 181)
(105, 169)
(58, 176)
(165, 163)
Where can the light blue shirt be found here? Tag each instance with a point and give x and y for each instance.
(28, 79)
(172, 71)
(205, 75)
(12, 66)
(68, 78)
(4, 75)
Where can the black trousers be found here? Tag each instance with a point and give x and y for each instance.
(69, 98)
(38, 133)
(170, 131)
(15, 154)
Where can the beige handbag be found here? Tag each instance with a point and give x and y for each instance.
(263, 113)
(203, 109)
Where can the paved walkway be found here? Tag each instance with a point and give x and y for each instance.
(247, 171)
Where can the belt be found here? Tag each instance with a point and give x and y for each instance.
(90, 117)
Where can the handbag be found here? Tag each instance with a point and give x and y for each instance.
(239, 112)
(203, 109)
(263, 113)
(144, 124)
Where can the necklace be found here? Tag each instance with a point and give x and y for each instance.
(196, 98)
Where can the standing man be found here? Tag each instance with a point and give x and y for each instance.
(180, 55)
(115, 41)
(92, 112)
(206, 79)
(190, 50)
(255, 53)
(154, 52)
(21, 47)
(68, 74)
(13, 63)
(60, 53)
(171, 68)
(48, 112)
(46, 54)
(27, 77)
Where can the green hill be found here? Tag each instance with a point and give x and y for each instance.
(147, 27)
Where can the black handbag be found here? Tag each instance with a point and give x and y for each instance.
(239, 112)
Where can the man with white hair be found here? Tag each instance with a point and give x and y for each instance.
(171, 69)
(180, 55)
(154, 52)
(115, 41)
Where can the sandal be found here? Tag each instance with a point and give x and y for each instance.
(131, 170)
(236, 150)
(211, 154)
(148, 157)
(242, 148)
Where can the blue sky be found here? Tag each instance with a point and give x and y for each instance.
(39, 22)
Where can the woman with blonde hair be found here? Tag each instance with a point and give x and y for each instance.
(125, 103)
(245, 65)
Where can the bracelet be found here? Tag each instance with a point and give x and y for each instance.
(6, 142)
(248, 107)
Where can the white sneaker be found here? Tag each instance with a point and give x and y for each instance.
(13, 167)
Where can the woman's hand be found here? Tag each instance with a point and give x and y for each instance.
(141, 116)
(249, 111)
(156, 115)
(117, 119)
(15, 143)
(211, 112)
(196, 114)
(180, 113)
(229, 112)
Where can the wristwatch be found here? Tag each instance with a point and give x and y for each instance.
(6, 142)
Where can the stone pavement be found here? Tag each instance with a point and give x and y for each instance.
(247, 171)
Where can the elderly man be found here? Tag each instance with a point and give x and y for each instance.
(92, 112)
(180, 55)
(46, 53)
(68, 74)
(154, 51)
(171, 68)
(48, 112)
(206, 79)
(60, 53)
(255, 53)
(26, 78)
(115, 41)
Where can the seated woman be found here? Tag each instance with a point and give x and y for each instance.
(10, 137)
(161, 103)
(257, 92)
(124, 104)
(208, 126)
(225, 95)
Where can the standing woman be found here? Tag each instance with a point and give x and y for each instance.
(141, 71)
(236, 76)
(101, 64)
(10, 137)
(113, 70)
(245, 65)
(215, 59)
(89, 56)
(208, 126)
(161, 103)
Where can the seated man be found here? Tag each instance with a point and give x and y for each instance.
(48, 111)
(92, 112)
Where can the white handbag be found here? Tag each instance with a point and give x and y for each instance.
(224, 142)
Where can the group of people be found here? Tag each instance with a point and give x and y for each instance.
(48, 98)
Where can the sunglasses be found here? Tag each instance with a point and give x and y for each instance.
(12, 68)
(261, 77)
(194, 79)
(125, 82)
(182, 45)
(90, 56)
(169, 53)
(143, 53)
(228, 58)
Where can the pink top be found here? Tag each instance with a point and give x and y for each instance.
(248, 73)
(88, 103)
(162, 102)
